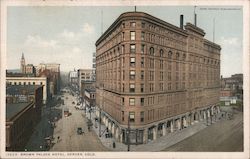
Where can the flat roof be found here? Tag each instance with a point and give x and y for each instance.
(14, 108)
(18, 89)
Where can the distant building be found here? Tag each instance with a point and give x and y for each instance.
(89, 97)
(73, 80)
(19, 124)
(231, 89)
(27, 81)
(155, 76)
(30, 69)
(22, 64)
(94, 67)
(84, 75)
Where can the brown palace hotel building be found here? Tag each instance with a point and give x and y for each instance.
(155, 77)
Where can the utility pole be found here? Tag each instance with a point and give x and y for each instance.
(128, 134)
(100, 121)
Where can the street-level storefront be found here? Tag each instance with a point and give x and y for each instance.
(135, 136)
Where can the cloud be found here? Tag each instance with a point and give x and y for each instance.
(232, 41)
(67, 34)
(87, 28)
(37, 41)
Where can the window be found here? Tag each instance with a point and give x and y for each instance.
(123, 87)
(20, 83)
(131, 87)
(132, 61)
(123, 35)
(123, 49)
(142, 101)
(142, 48)
(151, 75)
(14, 83)
(132, 116)
(132, 75)
(143, 25)
(132, 35)
(161, 76)
(169, 86)
(123, 25)
(151, 51)
(24, 83)
(169, 76)
(161, 53)
(41, 83)
(142, 36)
(151, 87)
(123, 75)
(142, 116)
(151, 63)
(161, 64)
(123, 100)
(122, 115)
(142, 75)
(161, 86)
(169, 54)
(142, 87)
(132, 24)
(142, 61)
(28, 83)
(177, 85)
(131, 101)
(132, 48)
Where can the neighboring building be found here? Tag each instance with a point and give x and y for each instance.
(84, 75)
(24, 94)
(19, 124)
(86, 85)
(155, 76)
(30, 69)
(89, 97)
(30, 81)
(231, 89)
(94, 67)
(73, 80)
(52, 71)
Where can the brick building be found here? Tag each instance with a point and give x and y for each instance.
(157, 76)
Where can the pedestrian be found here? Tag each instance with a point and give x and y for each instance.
(58, 138)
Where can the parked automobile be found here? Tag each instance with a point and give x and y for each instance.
(79, 131)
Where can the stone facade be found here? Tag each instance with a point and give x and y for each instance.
(156, 76)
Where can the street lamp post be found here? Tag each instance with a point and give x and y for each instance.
(128, 134)
(100, 122)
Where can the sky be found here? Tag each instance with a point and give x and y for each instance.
(67, 34)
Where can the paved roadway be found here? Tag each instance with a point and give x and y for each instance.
(224, 136)
(66, 128)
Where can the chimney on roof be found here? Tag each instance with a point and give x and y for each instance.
(181, 21)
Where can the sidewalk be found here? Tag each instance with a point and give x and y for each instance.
(157, 145)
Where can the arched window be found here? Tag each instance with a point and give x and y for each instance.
(161, 53)
(170, 54)
(151, 51)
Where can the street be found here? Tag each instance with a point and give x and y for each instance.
(66, 129)
(224, 136)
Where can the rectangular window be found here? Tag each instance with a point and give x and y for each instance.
(123, 87)
(132, 24)
(24, 83)
(131, 101)
(123, 75)
(131, 87)
(169, 86)
(132, 35)
(122, 115)
(142, 36)
(142, 101)
(142, 48)
(142, 87)
(142, 75)
(161, 64)
(123, 100)
(169, 76)
(142, 116)
(123, 49)
(142, 61)
(132, 61)
(161, 76)
(132, 75)
(151, 87)
(151, 63)
(132, 116)
(132, 48)
(123, 36)
(161, 86)
(151, 75)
